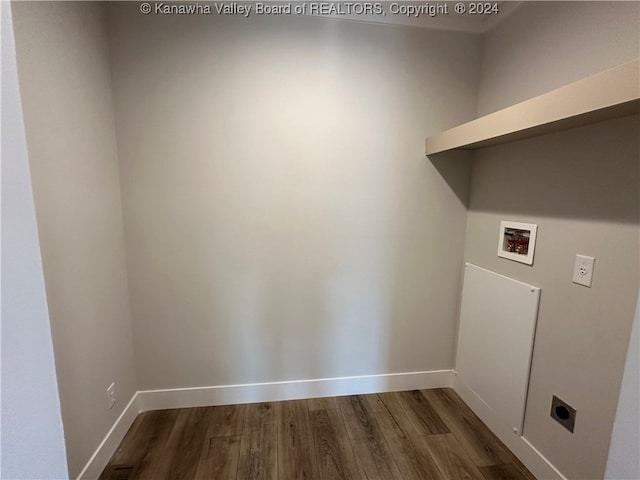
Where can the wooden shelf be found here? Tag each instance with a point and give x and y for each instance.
(603, 96)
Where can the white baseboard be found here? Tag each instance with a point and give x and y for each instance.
(109, 445)
(292, 390)
(325, 387)
(519, 445)
(255, 392)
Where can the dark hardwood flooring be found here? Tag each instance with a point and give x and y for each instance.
(428, 434)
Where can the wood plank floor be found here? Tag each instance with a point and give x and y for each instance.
(428, 434)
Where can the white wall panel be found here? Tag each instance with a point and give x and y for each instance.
(495, 341)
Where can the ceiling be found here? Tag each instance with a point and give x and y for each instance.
(439, 19)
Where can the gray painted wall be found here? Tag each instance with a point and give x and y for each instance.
(32, 437)
(68, 108)
(581, 188)
(282, 222)
(583, 205)
(319, 243)
(544, 45)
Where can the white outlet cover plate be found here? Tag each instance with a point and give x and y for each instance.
(583, 270)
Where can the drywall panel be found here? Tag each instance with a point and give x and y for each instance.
(495, 341)
(581, 188)
(544, 45)
(282, 222)
(32, 437)
(68, 109)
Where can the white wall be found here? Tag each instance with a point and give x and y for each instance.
(581, 188)
(68, 108)
(282, 221)
(32, 438)
(623, 459)
(544, 45)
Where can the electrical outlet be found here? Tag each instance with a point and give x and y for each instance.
(111, 395)
(583, 270)
(563, 413)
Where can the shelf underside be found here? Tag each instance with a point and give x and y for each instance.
(604, 96)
